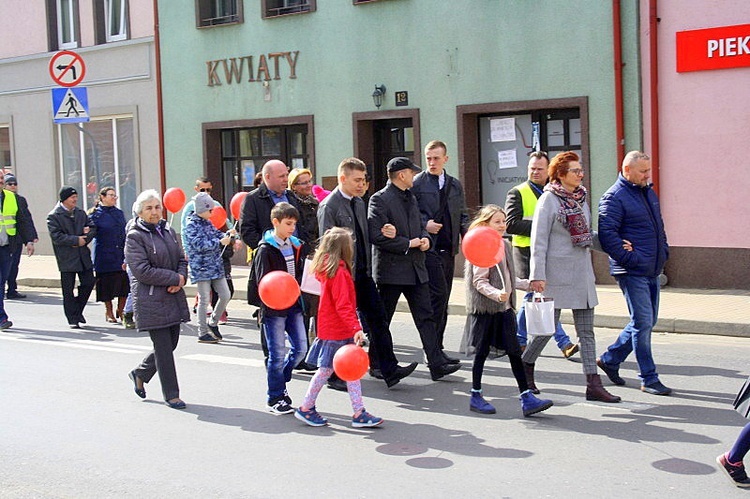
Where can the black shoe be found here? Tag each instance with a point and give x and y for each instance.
(176, 405)
(74, 325)
(438, 372)
(399, 374)
(81, 319)
(613, 373)
(215, 331)
(141, 392)
(376, 373)
(6, 324)
(207, 338)
(306, 367)
(337, 384)
(15, 295)
(451, 360)
(656, 388)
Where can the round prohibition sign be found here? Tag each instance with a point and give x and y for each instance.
(67, 68)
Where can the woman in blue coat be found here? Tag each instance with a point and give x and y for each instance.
(109, 253)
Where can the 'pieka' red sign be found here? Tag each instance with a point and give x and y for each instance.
(713, 48)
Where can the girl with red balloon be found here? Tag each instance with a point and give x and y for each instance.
(490, 300)
(204, 244)
(339, 331)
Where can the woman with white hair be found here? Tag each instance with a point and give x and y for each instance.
(159, 270)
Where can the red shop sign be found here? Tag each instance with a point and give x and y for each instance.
(713, 48)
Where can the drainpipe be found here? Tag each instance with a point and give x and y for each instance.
(619, 114)
(159, 110)
(653, 22)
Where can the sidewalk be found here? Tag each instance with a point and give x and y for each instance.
(698, 311)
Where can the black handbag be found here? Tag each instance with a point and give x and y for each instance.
(742, 401)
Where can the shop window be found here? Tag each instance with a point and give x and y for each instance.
(245, 150)
(218, 12)
(5, 157)
(275, 8)
(62, 24)
(97, 154)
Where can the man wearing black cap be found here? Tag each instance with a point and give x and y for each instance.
(26, 238)
(400, 240)
(13, 223)
(71, 232)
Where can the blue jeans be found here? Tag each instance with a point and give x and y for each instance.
(560, 336)
(281, 362)
(642, 297)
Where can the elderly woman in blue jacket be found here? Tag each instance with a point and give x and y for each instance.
(159, 273)
(109, 253)
(204, 245)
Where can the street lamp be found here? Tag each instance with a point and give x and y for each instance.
(378, 94)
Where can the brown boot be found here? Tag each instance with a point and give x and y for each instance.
(529, 370)
(595, 390)
(109, 315)
(120, 306)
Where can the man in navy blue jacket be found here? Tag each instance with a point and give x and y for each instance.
(629, 211)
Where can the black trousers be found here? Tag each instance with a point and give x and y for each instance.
(15, 251)
(72, 304)
(440, 266)
(418, 298)
(375, 323)
(161, 360)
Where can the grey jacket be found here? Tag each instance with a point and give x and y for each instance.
(336, 211)
(156, 262)
(479, 303)
(567, 269)
(64, 228)
(393, 261)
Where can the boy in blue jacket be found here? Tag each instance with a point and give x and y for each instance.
(280, 250)
(204, 245)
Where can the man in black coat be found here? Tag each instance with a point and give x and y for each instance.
(255, 213)
(344, 207)
(443, 207)
(400, 242)
(71, 232)
(27, 236)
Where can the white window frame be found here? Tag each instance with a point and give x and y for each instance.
(109, 14)
(72, 27)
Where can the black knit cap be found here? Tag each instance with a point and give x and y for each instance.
(66, 192)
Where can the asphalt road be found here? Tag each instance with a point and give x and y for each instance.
(72, 426)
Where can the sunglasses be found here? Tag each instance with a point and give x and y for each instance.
(205, 189)
(11, 183)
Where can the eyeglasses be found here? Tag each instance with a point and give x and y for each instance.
(576, 171)
(205, 189)
(307, 182)
(111, 194)
(11, 184)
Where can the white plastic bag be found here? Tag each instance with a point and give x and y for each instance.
(540, 315)
(310, 284)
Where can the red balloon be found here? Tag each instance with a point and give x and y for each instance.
(218, 217)
(236, 203)
(483, 246)
(174, 199)
(351, 362)
(278, 290)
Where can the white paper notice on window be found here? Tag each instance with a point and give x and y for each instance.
(502, 129)
(507, 159)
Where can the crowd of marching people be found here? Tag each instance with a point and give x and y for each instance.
(361, 255)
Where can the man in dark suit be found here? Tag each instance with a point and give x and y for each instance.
(255, 213)
(26, 238)
(443, 207)
(400, 241)
(344, 207)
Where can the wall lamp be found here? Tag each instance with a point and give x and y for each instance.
(378, 94)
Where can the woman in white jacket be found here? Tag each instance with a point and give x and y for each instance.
(561, 243)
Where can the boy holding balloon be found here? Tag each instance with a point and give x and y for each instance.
(279, 254)
(339, 330)
(204, 244)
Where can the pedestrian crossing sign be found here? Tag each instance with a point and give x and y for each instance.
(70, 105)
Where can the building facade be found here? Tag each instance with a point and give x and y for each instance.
(119, 146)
